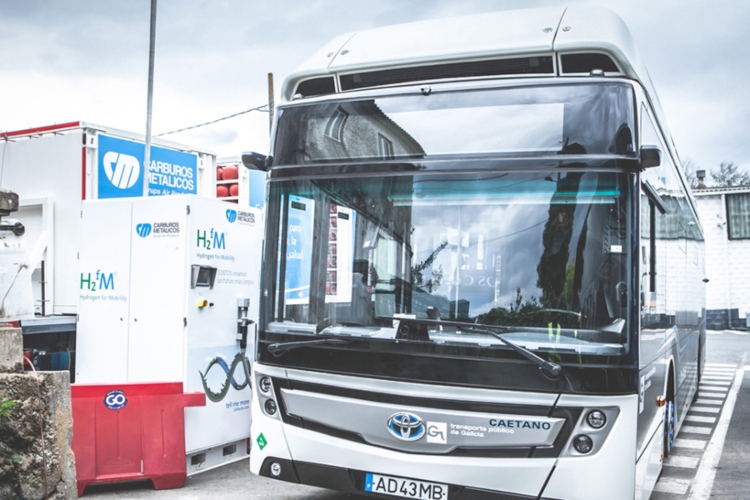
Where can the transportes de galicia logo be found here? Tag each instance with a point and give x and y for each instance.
(231, 215)
(143, 230)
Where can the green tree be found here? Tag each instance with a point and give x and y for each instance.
(437, 274)
(729, 175)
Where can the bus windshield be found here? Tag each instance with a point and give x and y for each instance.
(541, 257)
(556, 119)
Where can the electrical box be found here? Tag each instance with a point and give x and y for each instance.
(15, 279)
(168, 292)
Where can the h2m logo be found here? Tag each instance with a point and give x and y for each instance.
(99, 281)
(211, 240)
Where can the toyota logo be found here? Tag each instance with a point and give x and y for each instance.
(406, 426)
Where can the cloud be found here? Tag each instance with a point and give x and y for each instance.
(87, 59)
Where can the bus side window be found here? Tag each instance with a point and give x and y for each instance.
(655, 208)
(648, 260)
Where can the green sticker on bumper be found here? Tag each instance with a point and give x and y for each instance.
(261, 441)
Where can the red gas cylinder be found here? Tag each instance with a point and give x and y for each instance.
(234, 189)
(230, 172)
(222, 191)
(219, 171)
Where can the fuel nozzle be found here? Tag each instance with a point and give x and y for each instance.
(243, 305)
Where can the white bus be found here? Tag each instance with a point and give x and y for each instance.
(483, 273)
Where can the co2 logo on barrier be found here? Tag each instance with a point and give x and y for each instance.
(231, 215)
(115, 400)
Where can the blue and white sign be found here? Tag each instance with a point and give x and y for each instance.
(299, 250)
(121, 168)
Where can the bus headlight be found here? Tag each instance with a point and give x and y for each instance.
(264, 385)
(596, 419)
(583, 444)
(275, 469)
(270, 407)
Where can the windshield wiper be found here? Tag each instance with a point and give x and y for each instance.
(550, 369)
(278, 349)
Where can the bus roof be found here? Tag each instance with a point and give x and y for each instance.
(545, 42)
(533, 42)
(554, 41)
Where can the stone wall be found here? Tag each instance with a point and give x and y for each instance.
(36, 428)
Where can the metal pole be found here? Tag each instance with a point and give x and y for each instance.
(150, 99)
(270, 102)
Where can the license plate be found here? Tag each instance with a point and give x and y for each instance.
(407, 488)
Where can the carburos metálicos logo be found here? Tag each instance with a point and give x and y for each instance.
(122, 170)
(143, 230)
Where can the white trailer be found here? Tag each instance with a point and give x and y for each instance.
(170, 294)
(54, 168)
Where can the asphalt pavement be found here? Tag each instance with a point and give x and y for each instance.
(732, 480)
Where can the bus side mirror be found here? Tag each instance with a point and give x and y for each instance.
(256, 161)
(650, 157)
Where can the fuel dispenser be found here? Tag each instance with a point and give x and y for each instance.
(169, 290)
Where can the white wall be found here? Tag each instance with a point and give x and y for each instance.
(727, 261)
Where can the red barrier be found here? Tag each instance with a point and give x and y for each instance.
(126, 432)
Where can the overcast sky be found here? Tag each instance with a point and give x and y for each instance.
(87, 60)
